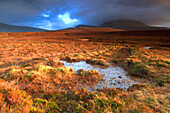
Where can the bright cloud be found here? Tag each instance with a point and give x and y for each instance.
(52, 21)
(45, 15)
(66, 18)
(45, 24)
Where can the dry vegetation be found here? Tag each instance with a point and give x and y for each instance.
(34, 80)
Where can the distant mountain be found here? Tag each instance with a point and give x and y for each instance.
(126, 25)
(85, 26)
(12, 28)
(130, 25)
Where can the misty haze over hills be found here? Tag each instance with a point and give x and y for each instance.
(12, 28)
(126, 25)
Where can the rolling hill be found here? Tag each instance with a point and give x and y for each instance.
(12, 28)
(126, 25)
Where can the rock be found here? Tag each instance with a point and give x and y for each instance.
(119, 77)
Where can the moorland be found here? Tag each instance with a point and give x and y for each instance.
(34, 78)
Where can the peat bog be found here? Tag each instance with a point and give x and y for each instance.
(60, 71)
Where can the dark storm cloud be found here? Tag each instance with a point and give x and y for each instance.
(142, 3)
(18, 10)
(149, 11)
(87, 11)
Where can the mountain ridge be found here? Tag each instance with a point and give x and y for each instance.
(124, 24)
(12, 28)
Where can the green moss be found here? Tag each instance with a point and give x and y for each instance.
(53, 96)
(53, 71)
(38, 101)
(91, 60)
(160, 63)
(139, 70)
(101, 105)
(35, 110)
(44, 105)
(86, 73)
(90, 105)
(71, 107)
(131, 51)
(45, 69)
(100, 62)
(162, 79)
(111, 92)
(91, 71)
(160, 82)
(15, 73)
(150, 100)
(133, 111)
(115, 61)
(71, 95)
(52, 107)
(66, 70)
(30, 73)
(16, 99)
(25, 65)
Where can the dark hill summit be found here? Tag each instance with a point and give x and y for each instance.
(85, 26)
(12, 28)
(126, 25)
(130, 25)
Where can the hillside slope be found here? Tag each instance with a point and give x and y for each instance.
(11, 28)
(125, 25)
(130, 25)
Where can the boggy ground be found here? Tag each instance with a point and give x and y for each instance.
(34, 80)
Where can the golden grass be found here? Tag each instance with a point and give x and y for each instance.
(34, 80)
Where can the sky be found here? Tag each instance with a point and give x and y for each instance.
(60, 14)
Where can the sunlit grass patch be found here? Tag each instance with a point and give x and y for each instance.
(42, 105)
(162, 79)
(15, 74)
(15, 101)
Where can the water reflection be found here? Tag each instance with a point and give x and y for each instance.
(147, 47)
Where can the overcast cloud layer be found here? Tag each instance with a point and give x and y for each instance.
(52, 14)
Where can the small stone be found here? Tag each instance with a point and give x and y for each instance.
(119, 77)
